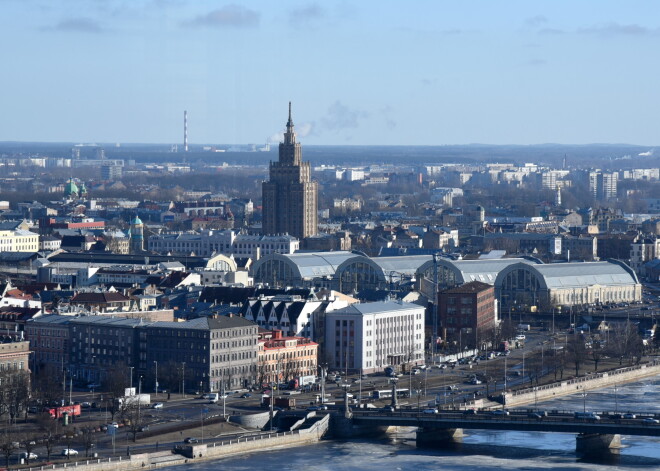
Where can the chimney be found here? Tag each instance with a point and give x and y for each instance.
(277, 334)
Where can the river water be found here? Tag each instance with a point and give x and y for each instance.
(480, 450)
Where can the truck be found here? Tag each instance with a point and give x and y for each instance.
(301, 381)
(59, 412)
(137, 399)
(212, 397)
(283, 402)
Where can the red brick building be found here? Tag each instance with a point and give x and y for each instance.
(466, 313)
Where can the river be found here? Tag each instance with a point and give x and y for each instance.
(480, 450)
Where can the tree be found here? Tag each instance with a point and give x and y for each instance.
(596, 353)
(576, 352)
(8, 444)
(114, 383)
(29, 443)
(47, 384)
(626, 343)
(133, 415)
(50, 428)
(88, 439)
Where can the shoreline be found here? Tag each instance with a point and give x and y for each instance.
(582, 384)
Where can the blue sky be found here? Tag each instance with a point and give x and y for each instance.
(358, 72)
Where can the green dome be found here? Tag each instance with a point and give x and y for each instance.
(136, 220)
(71, 188)
(83, 189)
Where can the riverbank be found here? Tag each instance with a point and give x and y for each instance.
(193, 453)
(581, 385)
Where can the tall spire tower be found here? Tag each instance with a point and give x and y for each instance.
(290, 196)
(185, 131)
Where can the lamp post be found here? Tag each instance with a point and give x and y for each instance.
(131, 378)
(156, 382)
(183, 379)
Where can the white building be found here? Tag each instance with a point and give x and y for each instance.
(371, 336)
(207, 243)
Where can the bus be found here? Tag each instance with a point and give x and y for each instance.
(387, 393)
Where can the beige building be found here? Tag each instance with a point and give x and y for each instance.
(14, 356)
(18, 241)
(290, 196)
(281, 359)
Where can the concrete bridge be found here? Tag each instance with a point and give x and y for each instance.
(594, 435)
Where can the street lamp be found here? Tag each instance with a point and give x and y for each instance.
(131, 378)
(156, 383)
(183, 378)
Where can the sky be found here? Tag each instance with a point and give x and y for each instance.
(368, 72)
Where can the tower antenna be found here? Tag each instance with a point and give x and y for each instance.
(185, 131)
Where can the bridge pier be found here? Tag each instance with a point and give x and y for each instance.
(597, 443)
(429, 436)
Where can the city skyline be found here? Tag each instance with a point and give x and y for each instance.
(432, 73)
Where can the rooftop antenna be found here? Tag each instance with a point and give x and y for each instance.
(185, 131)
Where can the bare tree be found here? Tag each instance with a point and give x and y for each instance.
(8, 444)
(46, 385)
(576, 352)
(50, 429)
(29, 443)
(114, 384)
(627, 345)
(134, 416)
(88, 439)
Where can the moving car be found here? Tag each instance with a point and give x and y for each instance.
(68, 452)
(28, 456)
(651, 420)
(430, 411)
(245, 395)
(157, 405)
(191, 440)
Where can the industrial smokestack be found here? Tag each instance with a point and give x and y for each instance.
(185, 131)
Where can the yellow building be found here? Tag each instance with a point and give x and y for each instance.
(18, 241)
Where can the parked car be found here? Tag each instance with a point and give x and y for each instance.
(190, 440)
(68, 452)
(245, 395)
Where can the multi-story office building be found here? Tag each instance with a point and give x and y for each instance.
(466, 312)
(49, 340)
(100, 343)
(212, 353)
(290, 196)
(371, 336)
